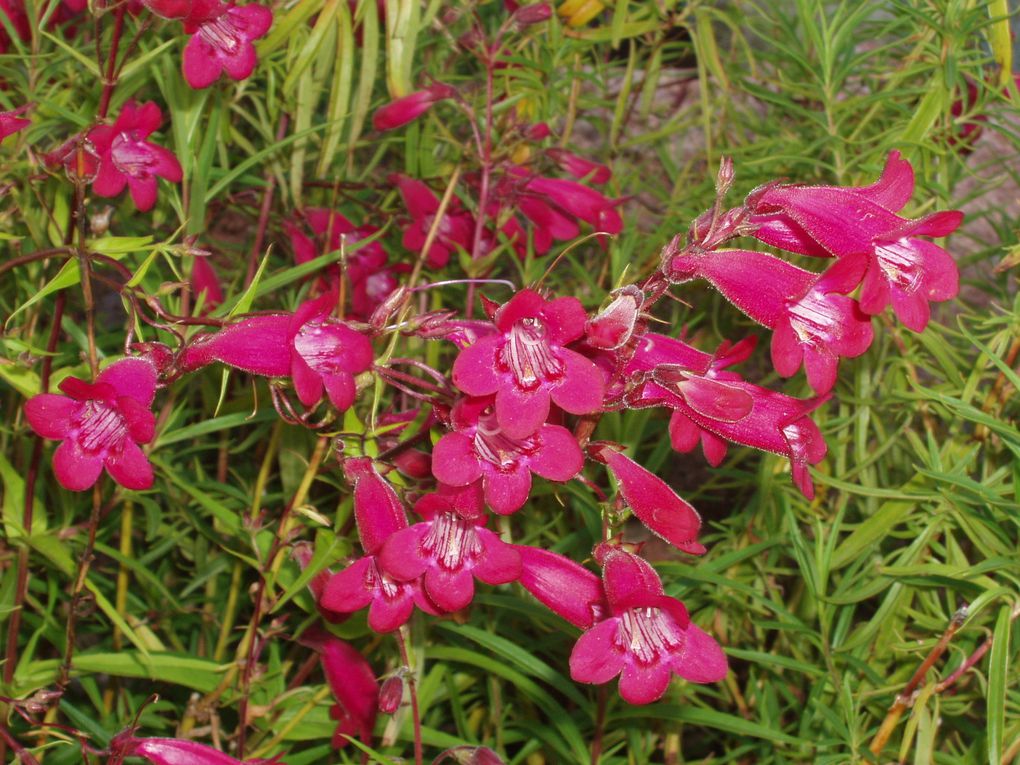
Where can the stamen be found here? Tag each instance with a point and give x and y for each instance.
(527, 354)
(647, 634)
(451, 541)
(101, 428)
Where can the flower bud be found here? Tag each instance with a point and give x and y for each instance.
(527, 15)
(391, 694)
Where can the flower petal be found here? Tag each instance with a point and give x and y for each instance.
(595, 657)
(130, 468)
(500, 563)
(51, 415)
(644, 683)
(450, 590)
(454, 461)
(74, 469)
(474, 370)
(702, 660)
(346, 591)
(559, 458)
(507, 492)
(131, 377)
(401, 556)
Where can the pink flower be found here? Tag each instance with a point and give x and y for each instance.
(204, 281)
(578, 200)
(479, 450)
(100, 425)
(812, 321)
(614, 326)
(456, 229)
(648, 639)
(654, 503)
(410, 107)
(579, 167)
(11, 122)
(449, 551)
(126, 158)
(222, 42)
(171, 751)
(683, 379)
(861, 223)
(379, 514)
(527, 366)
(353, 683)
(563, 586)
(371, 279)
(316, 350)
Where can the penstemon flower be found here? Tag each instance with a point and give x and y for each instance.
(861, 224)
(448, 551)
(479, 450)
(527, 366)
(222, 42)
(410, 107)
(379, 514)
(127, 158)
(812, 319)
(100, 425)
(455, 229)
(647, 639)
(11, 122)
(319, 352)
(173, 751)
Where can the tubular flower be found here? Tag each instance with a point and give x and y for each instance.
(11, 122)
(379, 514)
(739, 411)
(353, 683)
(566, 588)
(527, 366)
(172, 751)
(410, 107)
(456, 228)
(318, 351)
(100, 425)
(480, 450)
(222, 41)
(579, 167)
(812, 319)
(126, 158)
(654, 503)
(860, 223)
(448, 551)
(371, 279)
(648, 638)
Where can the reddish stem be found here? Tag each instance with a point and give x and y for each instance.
(413, 692)
(111, 77)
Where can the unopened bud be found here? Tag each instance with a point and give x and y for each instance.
(99, 223)
(527, 15)
(387, 308)
(724, 179)
(485, 756)
(390, 695)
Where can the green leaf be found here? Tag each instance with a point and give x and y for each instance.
(998, 680)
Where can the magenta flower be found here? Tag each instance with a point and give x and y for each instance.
(654, 503)
(566, 588)
(456, 229)
(11, 122)
(316, 350)
(126, 158)
(448, 552)
(614, 326)
(861, 223)
(410, 107)
(812, 320)
(527, 366)
(579, 167)
(739, 412)
(648, 639)
(580, 201)
(100, 425)
(371, 279)
(171, 751)
(205, 281)
(353, 683)
(222, 42)
(479, 450)
(379, 514)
